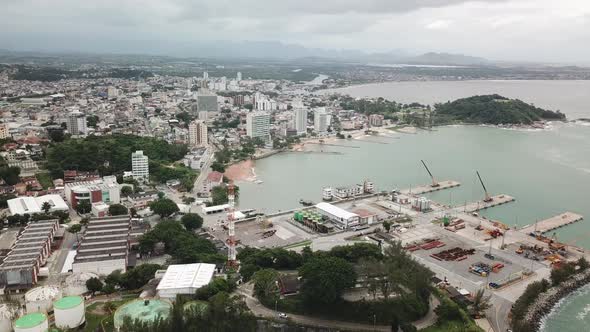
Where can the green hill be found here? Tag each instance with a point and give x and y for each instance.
(492, 109)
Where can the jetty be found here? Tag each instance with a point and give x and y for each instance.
(486, 204)
(424, 189)
(552, 223)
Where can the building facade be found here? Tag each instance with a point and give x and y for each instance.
(301, 121)
(320, 121)
(76, 123)
(197, 133)
(376, 120)
(258, 125)
(140, 166)
(4, 131)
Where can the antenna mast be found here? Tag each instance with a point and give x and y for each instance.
(231, 241)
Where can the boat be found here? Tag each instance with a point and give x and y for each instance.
(305, 203)
(258, 181)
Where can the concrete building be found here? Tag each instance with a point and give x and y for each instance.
(339, 217)
(258, 125)
(376, 120)
(301, 121)
(140, 166)
(104, 247)
(4, 131)
(20, 268)
(31, 205)
(184, 279)
(76, 123)
(207, 102)
(239, 76)
(105, 190)
(197, 133)
(320, 121)
(112, 92)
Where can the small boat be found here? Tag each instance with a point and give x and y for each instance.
(305, 203)
(258, 181)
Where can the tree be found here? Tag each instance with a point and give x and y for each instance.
(94, 285)
(324, 279)
(109, 307)
(218, 167)
(126, 190)
(10, 174)
(4, 200)
(117, 210)
(481, 302)
(387, 225)
(265, 285)
(164, 207)
(75, 229)
(46, 207)
(83, 206)
(191, 221)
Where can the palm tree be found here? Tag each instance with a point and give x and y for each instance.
(46, 207)
(75, 229)
(481, 302)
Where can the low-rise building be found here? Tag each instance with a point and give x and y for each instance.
(184, 279)
(20, 268)
(31, 205)
(339, 217)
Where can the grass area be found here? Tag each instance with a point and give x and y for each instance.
(93, 321)
(44, 179)
(453, 326)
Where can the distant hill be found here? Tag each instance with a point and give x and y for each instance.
(492, 109)
(433, 58)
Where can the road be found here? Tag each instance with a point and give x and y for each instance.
(259, 310)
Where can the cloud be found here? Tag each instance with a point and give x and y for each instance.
(438, 24)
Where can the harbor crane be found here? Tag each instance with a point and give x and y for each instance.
(434, 183)
(487, 198)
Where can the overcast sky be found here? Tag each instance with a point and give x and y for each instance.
(534, 30)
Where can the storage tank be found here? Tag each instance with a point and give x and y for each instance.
(143, 310)
(69, 312)
(7, 314)
(35, 322)
(40, 299)
(75, 284)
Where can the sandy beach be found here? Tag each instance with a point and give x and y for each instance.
(242, 171)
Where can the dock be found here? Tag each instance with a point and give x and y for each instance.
(552, 223)
(481, 205)
(442, 185)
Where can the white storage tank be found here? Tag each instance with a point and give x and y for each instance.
(35, 322)
(69, 312)
(7, 314)
(40, 299)
(75, 284)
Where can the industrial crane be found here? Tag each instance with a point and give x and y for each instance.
(434, 183)
(487, 198)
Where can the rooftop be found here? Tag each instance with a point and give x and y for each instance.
(187, 276)
(67, 302)
(30, 320)
(335, 211)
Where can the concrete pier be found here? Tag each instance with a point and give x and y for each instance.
(429, 188)
(481, 205)
(553, 223)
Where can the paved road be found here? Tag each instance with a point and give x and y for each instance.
(259, 310)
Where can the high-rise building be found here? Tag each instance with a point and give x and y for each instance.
(140, 166)
(76, 123)
(4, 131)
(197, 133)
(207, 102)
(258, 125)
(239, 76)
(320, 120)
(301, 121)
(205, 75)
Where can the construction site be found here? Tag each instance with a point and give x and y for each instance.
(455, 242)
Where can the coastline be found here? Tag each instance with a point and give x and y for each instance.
(242, 171)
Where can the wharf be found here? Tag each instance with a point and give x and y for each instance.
(442, 185)
(552, 223)
(481, 205)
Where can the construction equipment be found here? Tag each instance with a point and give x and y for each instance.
(434, 183)
(487, 198)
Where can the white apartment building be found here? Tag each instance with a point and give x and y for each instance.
(239, 76)
(140, 166)
(112, 92)
(301, 121)
(258, 125)
(376, 120)
(76, 123)
(320, 121)
(197, 133)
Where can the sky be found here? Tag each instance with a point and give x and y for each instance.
(556, 31)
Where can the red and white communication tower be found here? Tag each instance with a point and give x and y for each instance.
(231, 241)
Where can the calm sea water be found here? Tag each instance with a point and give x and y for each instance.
(548, 172)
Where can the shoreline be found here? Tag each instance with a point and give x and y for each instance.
(242, 171)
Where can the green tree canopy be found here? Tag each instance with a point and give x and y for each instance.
(192, 221)
(324, 279)
(164, 207)
(117, 210)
